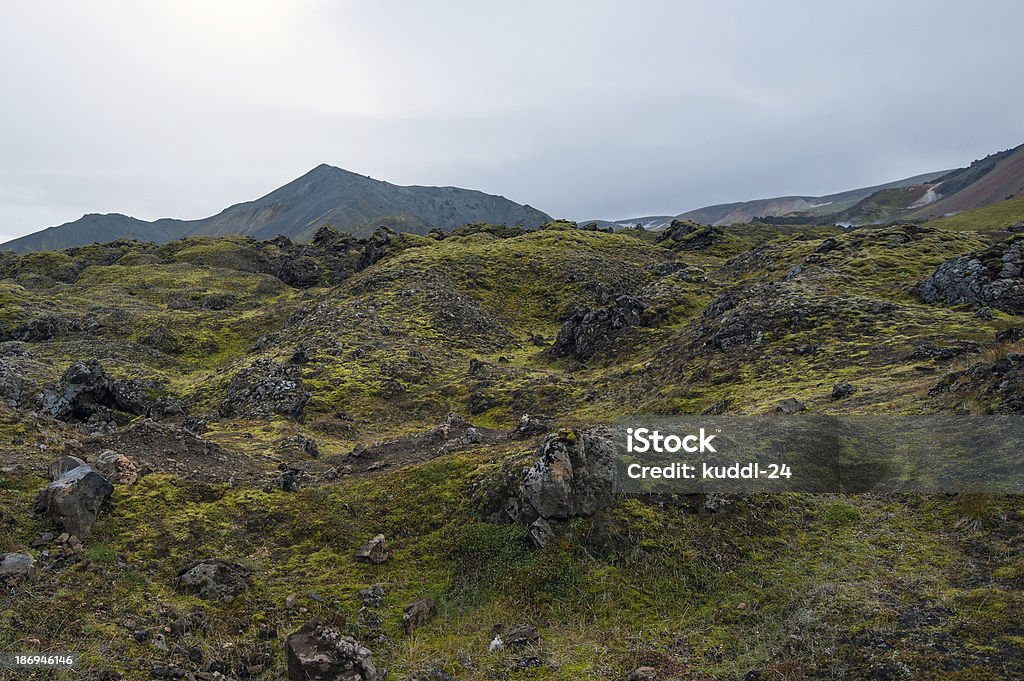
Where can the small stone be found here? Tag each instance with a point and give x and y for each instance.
(842, 390)
(374, 551)
(291, 601)
(117, 468)
(790, 406)
(540, 533)
(15, 567)
(643, 674)
(417, 614)
(521, 635)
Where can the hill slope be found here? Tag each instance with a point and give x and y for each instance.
(746, 211)
(274, 430)
(350, 202)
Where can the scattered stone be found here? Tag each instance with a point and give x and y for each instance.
(15, 567)
(62, 465)
(984, 313)
(117, 468)
(196, 426)
(11, 386)
(540, 533)
(643, 674)
(530, 426)
(418, 613)
(45, 539)
(291, 600)
(73, 501)
(374, 551)
(298, 447)
(194, 621)
(521, 635)
(842, 390)
(373, 597)
(317, 652)
(943, 353)
(790, 405)
(290, 480)
(214, 579)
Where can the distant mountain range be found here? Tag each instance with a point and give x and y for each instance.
(350, 202)
(923, 197)
(358, 204)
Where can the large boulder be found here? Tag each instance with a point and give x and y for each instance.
(73, 500)
(264, 389)
(214, 579)
(15, 567)
(573, 476)
(991, 278)
(317, 652)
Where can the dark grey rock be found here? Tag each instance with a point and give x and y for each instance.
(59, 467)
(790, 405)
(593, 331)
(73, 500)
(572, 477)
(992, 278)
(214, 579)
(842, 390)
(264, 389)
(530, 426)
(317, 652)
(521, 635)
(15, 567)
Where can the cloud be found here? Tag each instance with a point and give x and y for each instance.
(583, 109)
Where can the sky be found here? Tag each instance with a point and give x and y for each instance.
(582, 108)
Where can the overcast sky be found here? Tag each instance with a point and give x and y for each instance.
(583, 109)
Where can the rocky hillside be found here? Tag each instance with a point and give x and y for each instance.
(352, 203)
(226, 457)
(987, 182)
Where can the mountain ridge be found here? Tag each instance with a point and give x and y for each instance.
(350, 202)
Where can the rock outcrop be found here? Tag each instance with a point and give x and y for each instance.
(86, 393)
(992, 278)
(592, 331)
(317, 652)
(265, 389)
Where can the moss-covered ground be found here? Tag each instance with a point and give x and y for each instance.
(782, 587)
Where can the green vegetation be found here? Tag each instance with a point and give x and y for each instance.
(996, 217)
(734, 319)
